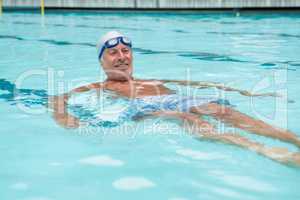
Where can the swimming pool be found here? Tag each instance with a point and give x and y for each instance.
(41, 160)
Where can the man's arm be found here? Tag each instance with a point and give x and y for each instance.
(59, 106)
(220, 86)
(60, 113)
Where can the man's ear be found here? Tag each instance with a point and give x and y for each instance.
(101, 60)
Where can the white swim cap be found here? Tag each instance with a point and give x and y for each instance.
(107, 36)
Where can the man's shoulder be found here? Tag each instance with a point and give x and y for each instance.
(96, 85)
(88, 87)
(150, 81)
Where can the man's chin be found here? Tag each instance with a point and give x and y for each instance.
(120, 78)
(120, 75)
(123, 79)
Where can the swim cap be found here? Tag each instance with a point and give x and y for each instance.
(107, 36)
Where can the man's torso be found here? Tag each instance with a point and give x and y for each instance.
(137, 88)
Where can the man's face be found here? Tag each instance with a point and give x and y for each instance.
(117, 62)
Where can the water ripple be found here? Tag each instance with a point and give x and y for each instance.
(11, 37)
(255, 34)
(102, 160)
(286, 65)
(211, 57)
(132, 183)
(180, 31)
(84, 26)
(57, 42)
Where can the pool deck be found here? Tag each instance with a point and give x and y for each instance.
(154, 4)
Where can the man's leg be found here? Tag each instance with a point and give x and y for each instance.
(205, 130)
(245, 122)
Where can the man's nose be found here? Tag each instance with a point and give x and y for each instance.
(121, 55)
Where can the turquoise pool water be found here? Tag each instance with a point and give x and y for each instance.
(43, 161)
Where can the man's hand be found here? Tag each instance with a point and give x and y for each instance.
(60, 114)
(57, 103)
(66, 120)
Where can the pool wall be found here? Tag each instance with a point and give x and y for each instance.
(154, 4)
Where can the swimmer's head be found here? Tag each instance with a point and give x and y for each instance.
(115, 55)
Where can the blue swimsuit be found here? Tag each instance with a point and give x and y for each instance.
(112, 111)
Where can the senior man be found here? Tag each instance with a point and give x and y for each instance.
(115, 56)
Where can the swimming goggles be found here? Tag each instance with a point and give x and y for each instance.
(114, 42)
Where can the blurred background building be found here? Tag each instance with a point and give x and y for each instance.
(153, 4)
